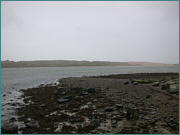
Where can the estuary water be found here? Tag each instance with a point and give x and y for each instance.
(23, 78)
(14, 79)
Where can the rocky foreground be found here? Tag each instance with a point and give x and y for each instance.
(115, 104)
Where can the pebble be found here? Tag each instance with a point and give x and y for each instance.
(109, 109)
(84, 93)
(33, 123)
(126, 83)
(94, 123)
(135, 83)
(119, 106)
(62, 100)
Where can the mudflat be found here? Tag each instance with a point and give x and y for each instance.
(145, 103)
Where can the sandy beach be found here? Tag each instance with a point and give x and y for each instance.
(113, 104)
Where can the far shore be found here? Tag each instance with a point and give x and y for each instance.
(91, 66)
(74, 63)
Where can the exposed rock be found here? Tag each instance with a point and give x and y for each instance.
(146, 118)
(164, 87)
(65, 99)
(33, 124)
(64, 93)
(78, 89)
(60, 88)
(135, 83)
(9, 128)
(155, 84)
(91, 90)
(132, 113)
(152, 113)
(68, 97)
(142, 81)
(174, 88)
(109, 109)
(119, 106)
(170, 82)
(126, 83)
(84, 93)
(62, 100)
(43, 106)
(94, 123)
(133, 80)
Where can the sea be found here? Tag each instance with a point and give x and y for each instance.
(14, 79)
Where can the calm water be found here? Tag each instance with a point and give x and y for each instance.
(14, 79)
(22, 78)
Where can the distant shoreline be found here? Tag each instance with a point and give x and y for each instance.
(74, 63)
(87, 66)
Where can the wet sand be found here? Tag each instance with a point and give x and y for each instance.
(111, 104)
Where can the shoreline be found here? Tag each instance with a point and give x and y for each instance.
(99, 105)
(99, 66)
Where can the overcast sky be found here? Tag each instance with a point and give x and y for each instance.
(90, 30)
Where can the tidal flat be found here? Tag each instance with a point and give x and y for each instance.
(143, 103)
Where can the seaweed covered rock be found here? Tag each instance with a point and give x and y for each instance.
(155, 84)
(132, 113)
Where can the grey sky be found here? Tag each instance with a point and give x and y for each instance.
(90, 30)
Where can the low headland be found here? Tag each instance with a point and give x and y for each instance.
(143, 103)
(74, 63)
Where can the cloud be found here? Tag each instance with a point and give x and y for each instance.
(91, 30)
(9, 17)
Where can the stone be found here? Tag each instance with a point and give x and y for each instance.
(94, 123)
(65, 99)
(58, 91)
(164, 87)
(126, 83)
(174, 88)
(68, 97)
(60, 88)
(62, 100)
(109, 109)
(155, 84)
(135, 83)
(43, 105)
(152, 113)
(9, 128)
(84, 93)
(119, 106)
(77, 89)
(13, 119)
(91, 90)
(148, 96)
(146, 118)
(132, 113)
(170, 82)
(142, 81)
(33, 124)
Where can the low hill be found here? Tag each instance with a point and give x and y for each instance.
(59, 63)
(148, 64)
(73, 63)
